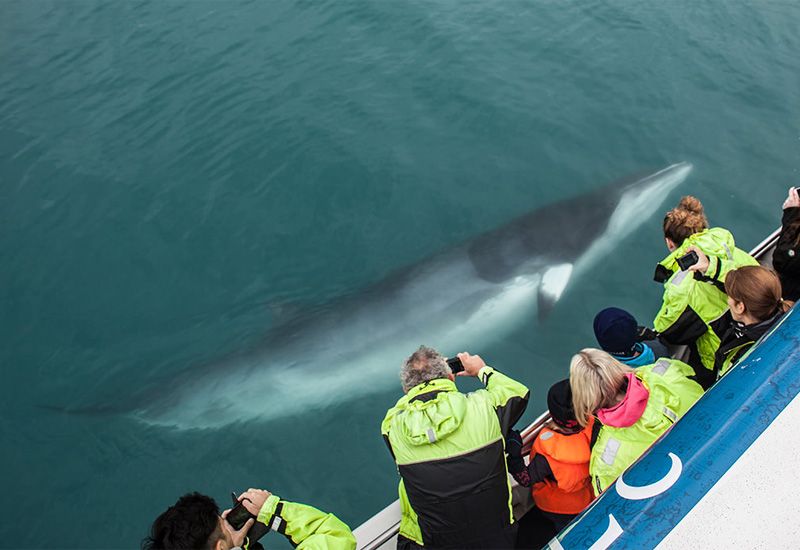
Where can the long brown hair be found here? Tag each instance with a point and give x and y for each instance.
(686, 219)
(758, 288)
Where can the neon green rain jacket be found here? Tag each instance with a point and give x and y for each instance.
(671, 395)
(306, 527)
(692, 302)
(450, 452)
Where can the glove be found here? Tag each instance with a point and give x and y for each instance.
(645, 333)
(514, 450)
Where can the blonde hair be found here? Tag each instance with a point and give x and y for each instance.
(596, 379)
(758, 288)
(686, 219)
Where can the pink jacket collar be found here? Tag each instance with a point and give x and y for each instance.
(630, 409)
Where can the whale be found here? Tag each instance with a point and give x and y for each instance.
(460, 298)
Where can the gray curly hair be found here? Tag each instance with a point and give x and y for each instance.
(423, 365)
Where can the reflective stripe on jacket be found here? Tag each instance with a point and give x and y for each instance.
(568, 457)
(306, 527)
(672, 393)
(692, 301)
(450, 453)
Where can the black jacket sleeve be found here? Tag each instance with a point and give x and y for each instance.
(786, 257)
(539, 469)
(509, 397)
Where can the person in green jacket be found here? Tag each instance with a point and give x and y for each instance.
(634, 407)
(694, 298)
(449, 448)
(194, 521)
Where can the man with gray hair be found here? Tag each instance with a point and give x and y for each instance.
(450, 452)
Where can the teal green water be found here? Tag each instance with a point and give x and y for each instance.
(178, 177)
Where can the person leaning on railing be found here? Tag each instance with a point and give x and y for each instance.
(449, 449)
(634, 406)
(194, 521)
(695, 297)
(755, 306)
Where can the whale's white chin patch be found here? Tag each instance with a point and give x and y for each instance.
(554, 281)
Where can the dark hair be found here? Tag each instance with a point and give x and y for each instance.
(686, 219)
(758, 288)
(191, 523)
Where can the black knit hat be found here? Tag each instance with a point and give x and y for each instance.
(559, 402)
(615, 330)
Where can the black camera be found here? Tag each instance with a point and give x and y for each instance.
(455, 365)
(239, 515)
(688, 260)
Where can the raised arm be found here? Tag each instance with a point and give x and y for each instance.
(306, 527)
(509, 397)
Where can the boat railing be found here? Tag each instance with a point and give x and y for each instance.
(380, 531)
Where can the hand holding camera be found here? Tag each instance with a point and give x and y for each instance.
(254, 499)
(470, 364)
(693, 260)
(245, 522)
(792, 199)
(240, 520)
(465, 364)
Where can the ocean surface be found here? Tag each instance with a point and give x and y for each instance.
(182, 181)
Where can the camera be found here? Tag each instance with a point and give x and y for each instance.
(688, 260)
(239, 515)
(455, 365)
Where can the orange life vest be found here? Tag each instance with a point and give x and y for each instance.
(568, 457)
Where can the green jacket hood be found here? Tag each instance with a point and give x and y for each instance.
(427, 420)
(715, 241)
